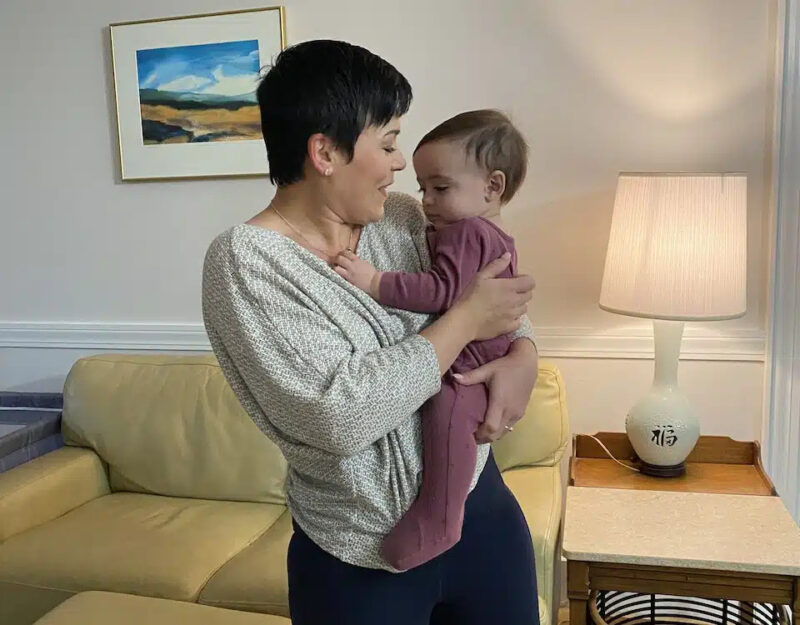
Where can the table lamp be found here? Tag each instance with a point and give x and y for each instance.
(677, 252)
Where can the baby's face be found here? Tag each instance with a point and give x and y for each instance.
(453, 186)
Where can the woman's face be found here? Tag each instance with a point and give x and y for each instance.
(359, 188)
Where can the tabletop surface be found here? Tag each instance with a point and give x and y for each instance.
(676, 529)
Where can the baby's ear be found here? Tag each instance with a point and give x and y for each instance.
(495, 186)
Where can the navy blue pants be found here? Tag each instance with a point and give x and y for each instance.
(488, 577)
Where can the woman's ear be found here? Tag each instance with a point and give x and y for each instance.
(321, 153)
(495, 186)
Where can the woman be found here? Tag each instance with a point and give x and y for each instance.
(336, 380)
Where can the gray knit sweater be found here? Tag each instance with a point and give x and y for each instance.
(333, 378)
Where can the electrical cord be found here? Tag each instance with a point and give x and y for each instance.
(610, 455)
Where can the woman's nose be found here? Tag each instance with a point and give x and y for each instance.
(399, 161)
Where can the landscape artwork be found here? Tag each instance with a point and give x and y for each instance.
(199, 93)
(185, 92)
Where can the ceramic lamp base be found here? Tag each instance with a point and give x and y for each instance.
(657, 470)
(662, 426)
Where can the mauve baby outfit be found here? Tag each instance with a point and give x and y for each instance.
(449, 419)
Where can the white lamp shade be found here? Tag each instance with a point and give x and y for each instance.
(678, 247)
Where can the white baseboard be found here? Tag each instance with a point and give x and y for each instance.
(699, 343)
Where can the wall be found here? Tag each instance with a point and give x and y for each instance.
(598, 87)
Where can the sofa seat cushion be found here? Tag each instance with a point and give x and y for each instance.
(538, 491)
(22, 605)
(255, 580)
(135, 543)
(107, 608)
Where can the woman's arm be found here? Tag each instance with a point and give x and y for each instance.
(296, 371)
(510, 381)
(486, 309)
(294, 364)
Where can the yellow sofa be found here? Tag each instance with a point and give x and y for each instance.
(110, 608)
(166, 489)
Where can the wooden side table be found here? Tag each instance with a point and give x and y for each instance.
(717, 464)
(699, 535)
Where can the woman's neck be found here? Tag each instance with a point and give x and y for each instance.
(307, 213)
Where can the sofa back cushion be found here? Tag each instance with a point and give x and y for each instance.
(540, 438)
(170, 425)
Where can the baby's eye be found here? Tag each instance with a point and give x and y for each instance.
(389, 150)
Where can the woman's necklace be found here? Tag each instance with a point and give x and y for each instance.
(309, 243)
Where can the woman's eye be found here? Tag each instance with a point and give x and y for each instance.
(441, 189)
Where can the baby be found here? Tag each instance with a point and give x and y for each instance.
(468, 167)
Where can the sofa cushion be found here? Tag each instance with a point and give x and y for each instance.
(170, 425)
(538, 491)
(140, 544)
(255, 580)
(107, 608)
(22, 605)
(540, 437)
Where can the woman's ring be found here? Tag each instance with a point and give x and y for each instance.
(509, 428)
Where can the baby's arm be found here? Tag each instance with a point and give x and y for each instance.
(359, 272)
(461, 250)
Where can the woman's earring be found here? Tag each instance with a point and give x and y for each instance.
(328, 171)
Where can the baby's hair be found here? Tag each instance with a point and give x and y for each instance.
(492, 140)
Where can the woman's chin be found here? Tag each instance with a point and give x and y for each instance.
(369, 214)
(378, 213)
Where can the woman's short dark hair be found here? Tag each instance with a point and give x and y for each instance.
(331, 87)
(492, 140)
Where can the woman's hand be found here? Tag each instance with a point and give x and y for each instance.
(510, 381)
(496, 306)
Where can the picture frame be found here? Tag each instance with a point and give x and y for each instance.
(185, 93)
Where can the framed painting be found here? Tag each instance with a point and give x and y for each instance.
(185, 93)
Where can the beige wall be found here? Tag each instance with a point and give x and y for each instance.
(598, 86)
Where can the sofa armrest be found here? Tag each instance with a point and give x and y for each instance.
(540, 438)
(49, 486)
(539, 493)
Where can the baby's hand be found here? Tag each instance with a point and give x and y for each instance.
(358, 272)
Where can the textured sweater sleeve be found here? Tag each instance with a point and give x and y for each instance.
(525, 331)
(309, 381)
